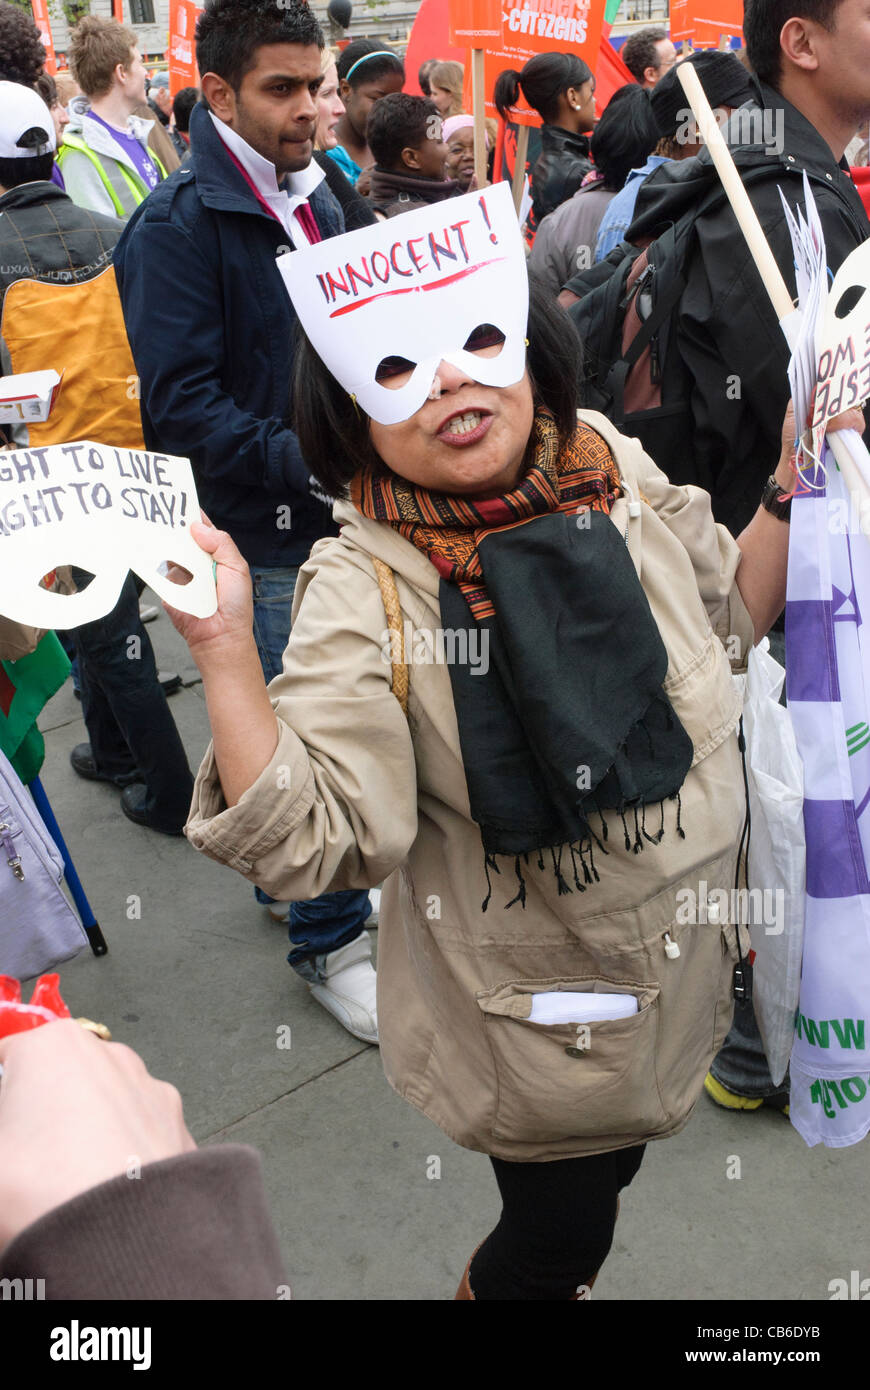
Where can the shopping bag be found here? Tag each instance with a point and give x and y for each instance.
(38, 927)
(776, 865)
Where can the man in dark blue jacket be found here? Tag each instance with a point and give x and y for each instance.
(212, 328)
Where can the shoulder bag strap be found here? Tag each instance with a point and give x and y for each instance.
(390, 594)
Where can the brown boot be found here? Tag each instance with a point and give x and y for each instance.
(464, 1290)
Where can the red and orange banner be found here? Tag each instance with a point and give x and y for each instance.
(530, 27)
(704, 22)
(43, 24)
(471, 20)
(181, 53)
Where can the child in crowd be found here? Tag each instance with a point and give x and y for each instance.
(366, 71)
(405, 137)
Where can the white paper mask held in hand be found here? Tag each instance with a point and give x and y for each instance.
(106, 511)
(843, 340)
(415, 289)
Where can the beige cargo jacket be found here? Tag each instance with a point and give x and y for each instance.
(356, 794)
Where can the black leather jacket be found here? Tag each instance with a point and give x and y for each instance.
(729, 340)
(45, 236)
(559, 170)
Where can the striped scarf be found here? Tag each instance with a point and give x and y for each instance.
(449, 528)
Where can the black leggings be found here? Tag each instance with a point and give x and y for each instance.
(556, 1225)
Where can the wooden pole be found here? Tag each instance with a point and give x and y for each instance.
(747, 219)
(520, 166)
(478, 98)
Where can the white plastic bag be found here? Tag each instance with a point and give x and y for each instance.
(777, 856)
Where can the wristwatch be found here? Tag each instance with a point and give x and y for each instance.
(775, 501)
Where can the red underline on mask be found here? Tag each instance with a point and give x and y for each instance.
(414, 289)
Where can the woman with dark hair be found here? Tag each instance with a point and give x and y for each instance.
(542, 805)
(624, 136)
(22, 54)
(561, 88)
(366, 71)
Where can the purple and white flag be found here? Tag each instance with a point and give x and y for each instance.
(828, 691)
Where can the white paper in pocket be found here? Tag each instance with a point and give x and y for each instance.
(564, 1007)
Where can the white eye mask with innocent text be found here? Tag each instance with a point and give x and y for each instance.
(415, 290)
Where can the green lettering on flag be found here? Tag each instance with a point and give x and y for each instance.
(850, 1035)
(816, 1034)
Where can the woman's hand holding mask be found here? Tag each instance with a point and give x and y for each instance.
(233, 622)
(243, 724)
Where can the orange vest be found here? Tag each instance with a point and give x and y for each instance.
(79, 331)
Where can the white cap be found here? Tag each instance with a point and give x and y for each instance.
(24, 115)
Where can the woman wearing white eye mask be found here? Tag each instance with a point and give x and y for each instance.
(534, 736)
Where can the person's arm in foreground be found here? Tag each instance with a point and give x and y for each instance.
(103, 1192)
(761, 575)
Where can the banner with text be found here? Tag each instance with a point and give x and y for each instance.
(43, 24)
(181, 53)
(539, 26)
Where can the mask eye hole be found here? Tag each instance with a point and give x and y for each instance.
(485, 336)
(175, 572)
(848, 300)
(390, 369)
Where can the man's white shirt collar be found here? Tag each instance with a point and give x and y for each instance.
(284, 202)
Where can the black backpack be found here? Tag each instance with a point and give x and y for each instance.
(627, 317)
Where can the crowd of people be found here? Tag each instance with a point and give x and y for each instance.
(170, 214)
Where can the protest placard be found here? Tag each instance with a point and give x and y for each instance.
(181, 52)
(705, 21)
(43, 24)
(416, 288)
(471, 20)
(105, 510)
(541, 26)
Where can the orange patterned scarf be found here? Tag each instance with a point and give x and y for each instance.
(449, 528)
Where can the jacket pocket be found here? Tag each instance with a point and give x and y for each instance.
(725, 1003)
(566, 1080)
(696, 1008)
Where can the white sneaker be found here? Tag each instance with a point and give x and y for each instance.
(148, 612)
(279, 911)
(375, 900)
(349, 989)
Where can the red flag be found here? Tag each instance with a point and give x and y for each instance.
(181, 54)
(610, 74)
(41, 20)
(704, 21)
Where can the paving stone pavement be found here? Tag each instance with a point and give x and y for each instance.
(199, 985)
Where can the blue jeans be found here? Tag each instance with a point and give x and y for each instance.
(333, 920)
(128, 720)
